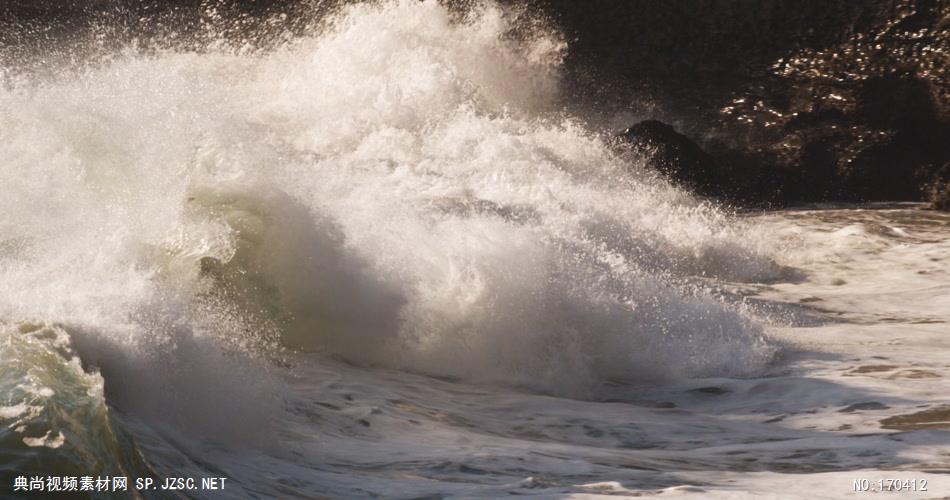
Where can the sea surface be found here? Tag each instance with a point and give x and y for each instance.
(386, 260)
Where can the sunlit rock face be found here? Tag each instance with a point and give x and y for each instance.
(825, 100)
(866, 115)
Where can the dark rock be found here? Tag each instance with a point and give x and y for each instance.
(937, 191)
(894, 101)
(712, 390)
(803, 101)
(869, 405)
(733, 179)
(675, 155)
(939, 197)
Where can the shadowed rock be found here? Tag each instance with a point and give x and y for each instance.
(675, 155)
(684, 162)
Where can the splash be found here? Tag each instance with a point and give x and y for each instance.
(399, 188)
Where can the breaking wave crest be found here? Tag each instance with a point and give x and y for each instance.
(399, 188)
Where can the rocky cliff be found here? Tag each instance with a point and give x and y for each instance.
(829, 100)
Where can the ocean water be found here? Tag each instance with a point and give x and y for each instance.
(385, 260)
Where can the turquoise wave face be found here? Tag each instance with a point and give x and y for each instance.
(54, 419)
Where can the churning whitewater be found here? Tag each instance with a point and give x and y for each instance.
(397, 191)
(237, 243)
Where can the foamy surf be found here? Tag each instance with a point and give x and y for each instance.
(378, 258)
(393, 193)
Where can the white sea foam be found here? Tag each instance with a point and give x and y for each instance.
(395, 189)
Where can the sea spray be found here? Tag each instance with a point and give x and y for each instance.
(400, 188)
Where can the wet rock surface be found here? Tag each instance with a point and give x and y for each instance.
(675, 155)
(684, 162)
(795, 101)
